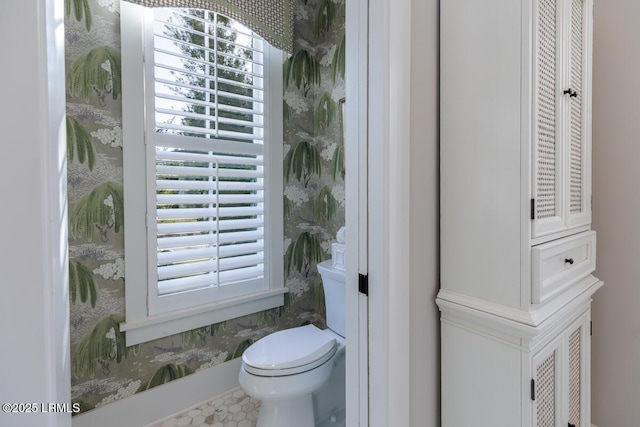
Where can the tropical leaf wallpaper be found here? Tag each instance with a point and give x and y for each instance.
(104, 370)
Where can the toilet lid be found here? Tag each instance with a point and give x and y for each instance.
(289, 348)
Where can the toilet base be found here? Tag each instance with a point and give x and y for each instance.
(292, 412)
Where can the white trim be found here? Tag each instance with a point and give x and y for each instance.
(35, 318)
(356, 221)
(389, 203)
(166, 324)
(163, 401)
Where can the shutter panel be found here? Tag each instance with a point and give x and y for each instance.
(546, 144)
(209, 160)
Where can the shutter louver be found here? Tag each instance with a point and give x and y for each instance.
(208, 148)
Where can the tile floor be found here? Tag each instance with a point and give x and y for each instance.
(234, 409)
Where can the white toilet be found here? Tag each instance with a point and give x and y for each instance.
(285, 368)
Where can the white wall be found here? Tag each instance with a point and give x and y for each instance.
(616, 213)
(34, 313)
(425, 280)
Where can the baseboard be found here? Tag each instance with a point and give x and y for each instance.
(165, 400)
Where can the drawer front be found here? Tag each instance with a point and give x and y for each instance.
(559, 264)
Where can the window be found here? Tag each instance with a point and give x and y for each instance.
(202, 129)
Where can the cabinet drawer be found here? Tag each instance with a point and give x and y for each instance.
(559, 264)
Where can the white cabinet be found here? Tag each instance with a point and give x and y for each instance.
(517, 251)
(501, 372)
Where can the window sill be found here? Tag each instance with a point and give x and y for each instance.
(166, 324)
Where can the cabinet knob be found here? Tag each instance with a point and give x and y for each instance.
(572, 93)
(568, 261)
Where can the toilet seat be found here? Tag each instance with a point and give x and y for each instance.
(289, 352)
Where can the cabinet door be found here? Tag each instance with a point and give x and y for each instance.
(578, 374)
(561, 379)
(562, 116)
(579, 113)
(547, 397)
(547, 153)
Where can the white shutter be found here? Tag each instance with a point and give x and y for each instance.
(206, 194)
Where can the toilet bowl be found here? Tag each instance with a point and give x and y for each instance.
(285, 368)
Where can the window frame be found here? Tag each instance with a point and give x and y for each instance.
(140, 326)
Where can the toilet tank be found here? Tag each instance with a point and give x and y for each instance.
(333, 284)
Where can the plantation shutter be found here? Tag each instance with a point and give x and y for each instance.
(271, 19)
(207, 189)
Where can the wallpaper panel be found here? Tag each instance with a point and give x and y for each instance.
(103, 370)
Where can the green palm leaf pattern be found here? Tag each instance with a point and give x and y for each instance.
(318, 298)
(79, 143)
(84, 406)
(165, 374)
(81, 281)
(325, 205)
(288, 207)
(302, 68)
(268, 317)
(92, 212)
(325, 112)
(240, 349)
(195, 336)
(81, 9)
(98, 72)
(337, 162)
(287, 111)
(301, 162)
(338, 64)
(325, 17)
(301, 253)
(217, 327)
(98, 347)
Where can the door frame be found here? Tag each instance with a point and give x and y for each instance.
(378, 118)
(383, 394)
(356, 217)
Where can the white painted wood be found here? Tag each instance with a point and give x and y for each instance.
(35, 313)
(480, 192)
(160, 402)
(558, 264)
(149, 317)
(482, 198)
(488, 363)
(481, 373)
(389, 232)
(357, 372)
(549, 228)
(505, 284)
(378, 112)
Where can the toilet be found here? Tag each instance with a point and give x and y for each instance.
(285, 368)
